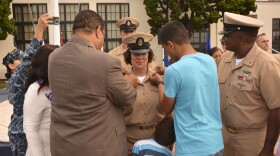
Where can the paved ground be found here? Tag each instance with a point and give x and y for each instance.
(5, 114)
(3, 95)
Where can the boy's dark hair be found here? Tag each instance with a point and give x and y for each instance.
(165, 133)
(174, 31)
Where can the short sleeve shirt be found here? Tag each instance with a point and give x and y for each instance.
(193, 82)
(249, 89)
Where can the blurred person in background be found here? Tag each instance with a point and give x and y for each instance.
(215, 53)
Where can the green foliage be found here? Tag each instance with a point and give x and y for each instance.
(3, 84)
(194, 14)
(7, 25)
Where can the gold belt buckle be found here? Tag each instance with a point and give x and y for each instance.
(145, 127)
(231, 130)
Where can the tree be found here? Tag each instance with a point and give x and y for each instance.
(7, 25)
(194, 14)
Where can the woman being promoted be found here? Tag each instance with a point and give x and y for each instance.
(141, 117)
(37, 104)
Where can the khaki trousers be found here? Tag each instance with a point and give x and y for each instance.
(135, 134)
(243, 142)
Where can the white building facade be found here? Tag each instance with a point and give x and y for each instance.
(27, 12)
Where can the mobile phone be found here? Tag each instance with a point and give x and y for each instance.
(54, 21)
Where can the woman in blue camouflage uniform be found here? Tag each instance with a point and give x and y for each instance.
(16, 85)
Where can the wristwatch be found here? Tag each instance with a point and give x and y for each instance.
(160, 82)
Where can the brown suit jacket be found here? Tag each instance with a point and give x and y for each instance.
(89, 91)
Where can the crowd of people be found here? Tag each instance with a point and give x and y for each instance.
(77, 100)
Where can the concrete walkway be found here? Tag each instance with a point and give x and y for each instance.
(3, 95)
(6, 110)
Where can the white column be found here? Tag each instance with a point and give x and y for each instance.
(53, 11)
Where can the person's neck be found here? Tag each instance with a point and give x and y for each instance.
(87, 37)
(124, 45)
(186, 50)
(243, 51)
(139, 72)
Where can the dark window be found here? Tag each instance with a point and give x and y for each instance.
(276, 34)
(199, 40)
(67, 13)
(111, 13)
(26, 19)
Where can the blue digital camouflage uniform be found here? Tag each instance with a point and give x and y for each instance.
(15, 86)
(10, 57)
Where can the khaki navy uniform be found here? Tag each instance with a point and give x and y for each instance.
(141, 118)
(277, 56)
(118, 52)
(248, 91)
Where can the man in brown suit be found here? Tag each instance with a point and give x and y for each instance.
(88, 91)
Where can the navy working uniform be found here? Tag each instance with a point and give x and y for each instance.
(15, 87)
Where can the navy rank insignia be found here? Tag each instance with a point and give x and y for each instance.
(139, 41)
(128, 23)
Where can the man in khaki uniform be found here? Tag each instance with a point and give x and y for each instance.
(127, 26)
(249, 90)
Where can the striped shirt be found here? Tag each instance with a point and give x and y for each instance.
(149, 147)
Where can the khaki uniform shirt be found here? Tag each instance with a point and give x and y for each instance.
(249, 89)
(146, 110)
(120, 50)
(277, 56)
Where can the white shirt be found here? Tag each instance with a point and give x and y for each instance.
(36, 121)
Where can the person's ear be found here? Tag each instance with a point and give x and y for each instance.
(11, 66)
(99, 32)
(170, 44)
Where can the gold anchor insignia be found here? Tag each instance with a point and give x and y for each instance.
(140, 42)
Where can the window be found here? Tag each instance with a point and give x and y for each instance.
(111, 13)
(26, 19)
(276, 34)
(198, 40)
(67, 13)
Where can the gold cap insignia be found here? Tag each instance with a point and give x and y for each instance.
(140, 41)
(128, 22)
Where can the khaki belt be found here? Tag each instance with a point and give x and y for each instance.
(140, 127)
(233, 130)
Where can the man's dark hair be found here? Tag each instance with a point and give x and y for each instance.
(87, 21)
(127, 56)
(174, 31)
(165, 133)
